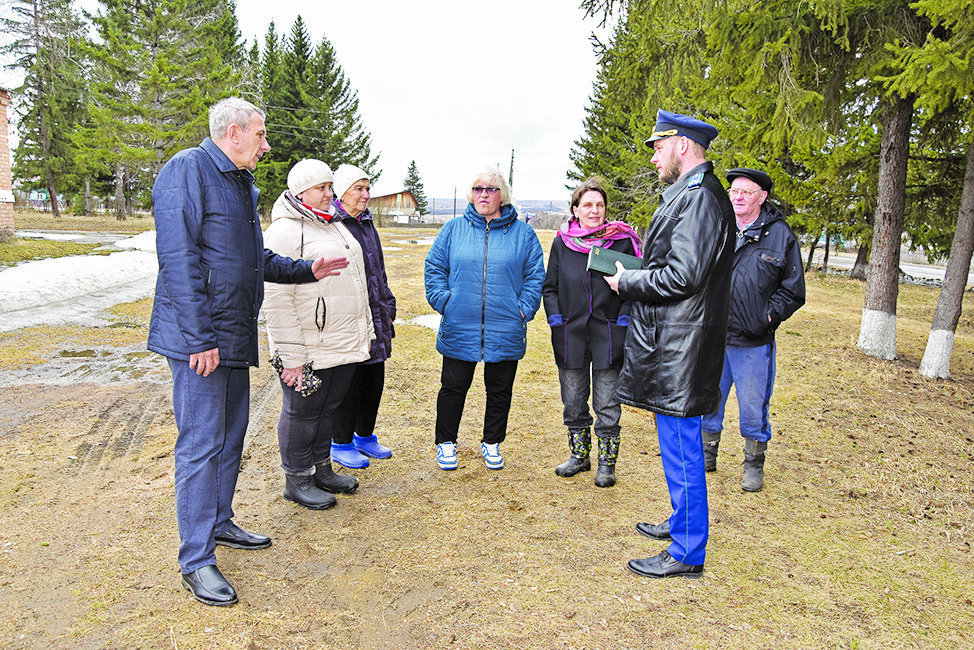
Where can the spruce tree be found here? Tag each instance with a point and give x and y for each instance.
(46, 36)
(161, 64)
(414, 184)
(312, 112)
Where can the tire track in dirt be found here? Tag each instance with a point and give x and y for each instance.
(119, 429)
(260, 400)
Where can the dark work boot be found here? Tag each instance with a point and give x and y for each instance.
(608, 455)
(302, 490)
(326, 479)
(710, 443)
(580, 443)
(754, 452)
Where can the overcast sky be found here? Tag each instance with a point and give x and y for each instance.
(456, 85)
(453, 85)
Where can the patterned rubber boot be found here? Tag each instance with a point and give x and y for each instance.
(580, 444)
(608, 455)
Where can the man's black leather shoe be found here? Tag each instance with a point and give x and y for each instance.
(237, 537)
(664, 566)
(659, 531)
(209, 586)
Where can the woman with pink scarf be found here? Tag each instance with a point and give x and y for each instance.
(588, 329)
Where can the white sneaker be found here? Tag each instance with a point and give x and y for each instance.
(492, 455)
(446, 455)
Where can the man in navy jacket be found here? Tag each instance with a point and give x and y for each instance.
(768, 285)
(212, 267)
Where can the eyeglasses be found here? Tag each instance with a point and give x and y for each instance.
(490, 190)
(737, 192)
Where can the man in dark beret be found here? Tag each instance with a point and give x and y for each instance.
(675, 343)
(768, 286)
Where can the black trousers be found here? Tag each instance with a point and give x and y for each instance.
(305, 426)
(360, 408)
(455, 380)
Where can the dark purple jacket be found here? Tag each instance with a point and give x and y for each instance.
(381, 301)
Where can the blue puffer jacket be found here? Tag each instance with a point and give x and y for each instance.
(212, 260)
(485, 279)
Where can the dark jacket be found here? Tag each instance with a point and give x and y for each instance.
(486, 281)
(381, 301)
(768, 280)
(675, 344)
(587, 307)
(212, 260)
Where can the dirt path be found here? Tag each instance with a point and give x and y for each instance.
(861, 537)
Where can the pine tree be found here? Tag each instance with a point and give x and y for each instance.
(46, 36)
(414, 184)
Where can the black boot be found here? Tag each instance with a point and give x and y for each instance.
(326, 479)
(302, 490)
(710, 443)
(580, 443)
(608, 455)
(753, 479)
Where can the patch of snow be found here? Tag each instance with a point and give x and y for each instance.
(77, 289)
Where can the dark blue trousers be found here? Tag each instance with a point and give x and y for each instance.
(681, 448)
(211, 416)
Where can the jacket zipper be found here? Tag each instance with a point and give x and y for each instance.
(483, 296)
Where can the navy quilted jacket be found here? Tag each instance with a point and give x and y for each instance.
(212, 260)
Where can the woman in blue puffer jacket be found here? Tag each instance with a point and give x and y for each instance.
(484, 275)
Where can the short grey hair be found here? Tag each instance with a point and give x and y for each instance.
(496, 179)
(232, 110)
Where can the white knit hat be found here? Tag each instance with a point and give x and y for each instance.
(308, 173)
(345, 177)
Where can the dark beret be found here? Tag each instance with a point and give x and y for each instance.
(755, 175)
(668, 124)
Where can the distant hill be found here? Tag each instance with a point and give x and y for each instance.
(444, 206)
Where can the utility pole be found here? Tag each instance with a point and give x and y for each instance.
(454, 200)
(510, 178)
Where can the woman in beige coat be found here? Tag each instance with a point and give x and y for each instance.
(317, 332)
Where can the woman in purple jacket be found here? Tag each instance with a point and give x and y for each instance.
(588, 329)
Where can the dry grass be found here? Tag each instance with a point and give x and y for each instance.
(861, 537)
(34, 220)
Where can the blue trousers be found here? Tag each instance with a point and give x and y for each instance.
(752, 370)
(211, 417)
(681, 449)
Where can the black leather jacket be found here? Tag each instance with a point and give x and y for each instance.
(768, 281)
(674, 351)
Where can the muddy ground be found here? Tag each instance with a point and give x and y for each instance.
(861, 537)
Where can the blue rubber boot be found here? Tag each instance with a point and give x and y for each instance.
(369, 445)
(348, 456)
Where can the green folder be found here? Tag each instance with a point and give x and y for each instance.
(604, 260)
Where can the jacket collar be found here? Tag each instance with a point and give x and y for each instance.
(507, 217)
(692, 178)
(222, 161)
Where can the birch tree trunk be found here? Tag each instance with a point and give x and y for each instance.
(877, 330)
(940, 344)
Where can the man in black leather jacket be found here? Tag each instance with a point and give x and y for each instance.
(674, 349)
(768, 286)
